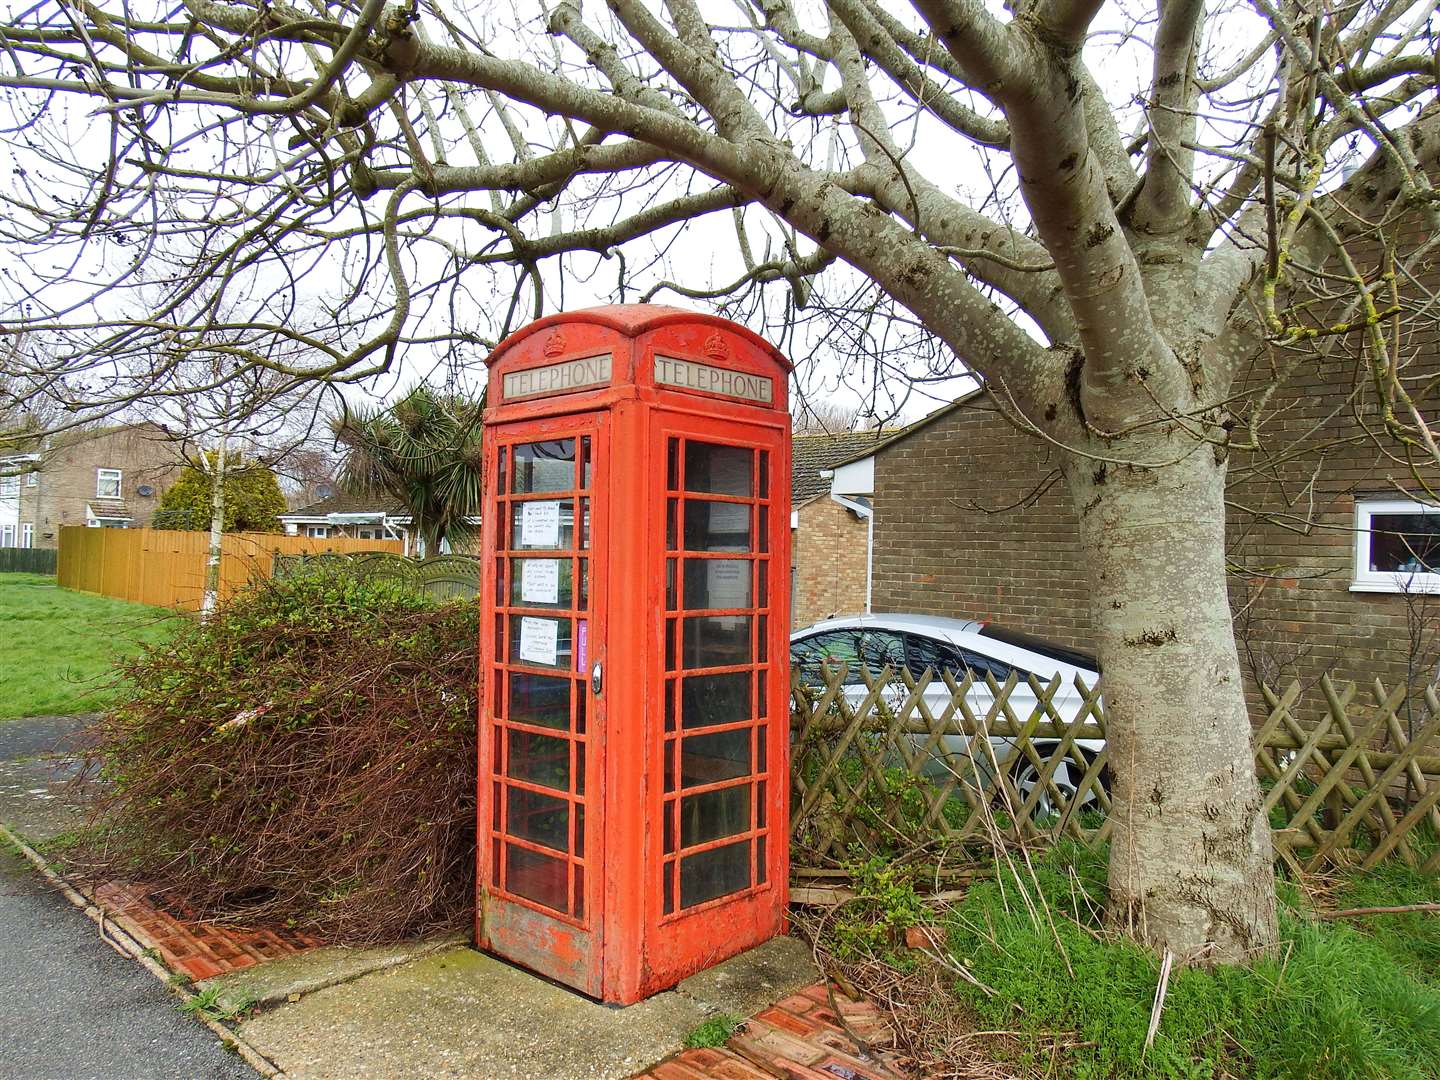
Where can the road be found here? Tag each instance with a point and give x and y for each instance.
(71, 1008)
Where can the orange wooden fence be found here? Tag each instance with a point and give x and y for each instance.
(167, 568)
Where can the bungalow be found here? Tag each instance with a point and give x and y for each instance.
(1334, 551)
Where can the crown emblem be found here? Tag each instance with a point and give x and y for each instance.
(555, 343)
(715, 347)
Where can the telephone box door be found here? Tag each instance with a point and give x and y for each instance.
(541, 738)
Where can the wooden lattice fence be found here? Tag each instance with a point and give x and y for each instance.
(443, 577)
(889, 764)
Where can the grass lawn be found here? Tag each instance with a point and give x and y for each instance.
(57, 646)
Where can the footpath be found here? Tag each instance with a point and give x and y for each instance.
(73, 1007)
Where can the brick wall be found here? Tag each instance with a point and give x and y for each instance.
(828, 547)
(951, 540)
(67, 478)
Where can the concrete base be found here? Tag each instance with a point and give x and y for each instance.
(460, 1013)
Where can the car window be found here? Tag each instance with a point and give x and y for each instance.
(810, 655)
(881, 647)
(923, 652)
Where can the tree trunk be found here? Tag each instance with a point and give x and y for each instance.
(1190, 855)
(217, 531)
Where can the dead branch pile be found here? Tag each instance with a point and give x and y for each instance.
(305, 758)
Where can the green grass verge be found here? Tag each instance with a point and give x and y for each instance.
(1342, 1000)
(60, 646)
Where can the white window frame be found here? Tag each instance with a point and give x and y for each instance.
(101, 475)
(27, 534)
(32, 478)
(317, 532)
(7, 535)
(1387, 581)
(9, 487)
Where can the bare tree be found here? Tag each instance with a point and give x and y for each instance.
(1102, 211)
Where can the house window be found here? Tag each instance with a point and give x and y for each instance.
(9, 487)
(7, 535)
(107, 483)
(32, 478)
(27, 534)
(1397, 546)
(317, 532)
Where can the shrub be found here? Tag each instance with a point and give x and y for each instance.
(306, 757)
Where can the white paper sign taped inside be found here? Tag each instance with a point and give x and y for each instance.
(540, 524)
(538, 641)
(540, 581)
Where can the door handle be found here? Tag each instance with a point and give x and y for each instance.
(597, 678)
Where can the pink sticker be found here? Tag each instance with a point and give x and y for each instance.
(582, 641)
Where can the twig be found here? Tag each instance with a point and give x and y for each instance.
(1159, 1005)
(1399, 909)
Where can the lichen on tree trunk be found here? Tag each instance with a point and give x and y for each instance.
(1190, 864)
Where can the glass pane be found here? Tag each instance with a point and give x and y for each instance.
(760, 861)
(719, 470)
(542, 819)
(670, 599)
(579, 909)
(1405, 543)
(716, 526)
(707, 759)
(544, 466)
(713, 814)
(669, 887)
(717, 641)
(536, 877)
(672, 467)
(672, 510)
(717, 583)
(764, 474)
(669, 830)
(670, 705)
(584, 523)
(542, 700)
(540, 582)
(542, 524)
(540, 759)
(714, 699)
(586, 462)
(714, 873)
(539, 641)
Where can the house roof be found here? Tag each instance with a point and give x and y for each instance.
(910, 429)
(343, 502)
(811, 454)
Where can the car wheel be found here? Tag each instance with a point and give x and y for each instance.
(1065, 779)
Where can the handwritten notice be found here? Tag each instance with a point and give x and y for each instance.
(540, 524)
(538, 641)
(540, 581)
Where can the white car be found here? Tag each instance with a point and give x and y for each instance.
(917, 642)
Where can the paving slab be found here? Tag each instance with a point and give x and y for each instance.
(747, 983)
(275, 982)
(460, 1013)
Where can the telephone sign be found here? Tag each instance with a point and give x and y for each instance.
(634, 716)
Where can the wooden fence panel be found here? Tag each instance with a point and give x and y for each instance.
(166, 568)
(15, 560)
(887, 763)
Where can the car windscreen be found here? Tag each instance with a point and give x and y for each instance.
(1054, 650)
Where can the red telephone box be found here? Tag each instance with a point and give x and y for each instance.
(633, 819)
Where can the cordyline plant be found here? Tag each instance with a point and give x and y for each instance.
(1107, 212)
(422, 452)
